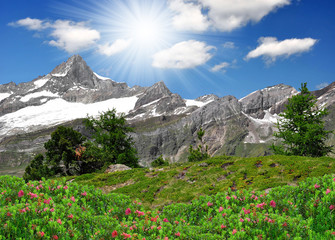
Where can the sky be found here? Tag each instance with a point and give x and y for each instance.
(197, 47)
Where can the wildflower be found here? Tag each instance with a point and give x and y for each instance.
(41, 234)
(246, 211)
(125, 235)
(52, 210)
(284, 224)
(220, 209)
(332, 207)
(114, 234)
(176, 222)
(273, 204)
(70, 216)
(72, 199)
(316, 186)
(328, 191)
(21, 193)
(69, 204)
(47, 201)
(55, 237)
(59, 221)
(227, 197)
(128, 211)
(165, 220)
(59, 186)
(166, 238)
(234, 231)
(241, 220)
(223, 226)
(209, 204)
(177, 234)
(9, 214)
(159, 227)
(84, 194)
(65, 187)
(45, 209)
(224, 214)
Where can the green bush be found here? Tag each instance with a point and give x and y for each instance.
(160, 162)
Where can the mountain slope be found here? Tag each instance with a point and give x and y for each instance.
(165, 124)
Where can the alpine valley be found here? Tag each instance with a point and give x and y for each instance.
(164, 123)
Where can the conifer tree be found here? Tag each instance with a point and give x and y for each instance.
(302, 127)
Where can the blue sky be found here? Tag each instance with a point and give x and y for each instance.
(197, 47)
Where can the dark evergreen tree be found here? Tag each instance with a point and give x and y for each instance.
(160, 162)
(199, 153)
(37, 169)
(112, 143)
(302, 127)
(61, 150)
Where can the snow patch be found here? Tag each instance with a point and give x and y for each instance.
(57, 111)
(4, 95)
(41, 82)
(101, 77)
(199, 104)
(38, 94)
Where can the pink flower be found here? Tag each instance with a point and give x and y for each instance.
(72, 199)
(234, 231)
(84, 194)
(114, 234)
(246, 211)
(166, 238)
(220, 209)
(159, 228)
(59, 186)
(52, 210)
(70, 216)
(241, 220)
(59, 221)
(273, 204)
(328, 191)
(41, 234)
(227, 197)
(165, 220)
(65, 187)
(177, 234)
(47, 201)
(223, 226)
(125, 235)
(55, 237)
(224, 214)
(209, 204)
(316, 186)
(332, 207)
(21, 193)
(45, 209)
(128, 211)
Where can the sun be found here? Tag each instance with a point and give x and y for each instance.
(146, 32)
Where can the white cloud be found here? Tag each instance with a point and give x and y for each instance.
(188, 16)
(187, 54)
(69, 36)
(117, 46)
(228, 15)
(230, 45)
(322, 85)
(270, 48)
(222, 66)
(73, 36)
(31, 24)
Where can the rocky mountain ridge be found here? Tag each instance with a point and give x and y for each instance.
(165, 123)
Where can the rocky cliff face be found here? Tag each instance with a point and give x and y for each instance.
(165, 124)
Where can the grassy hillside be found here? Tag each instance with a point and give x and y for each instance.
(59, 209)
(181, 183)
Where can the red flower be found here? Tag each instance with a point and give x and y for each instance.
(128, 211)
(284, 224)
(273, 204)
(84, 194)
(209, 204)
(177, 234)
(59, 221)
(21, 193)
(332, 207)
(220, 209)
(70, 216)
(55, 237)
(223, 226)
(41, 234)
(234, 231)
(316, 186)
(72, 198)
(165, 220)
(114, 234)
(9, 214)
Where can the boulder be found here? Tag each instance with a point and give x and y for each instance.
(117, 168)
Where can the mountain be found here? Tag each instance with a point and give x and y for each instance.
(165, 123)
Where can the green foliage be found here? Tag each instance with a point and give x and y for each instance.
(37, 169)
(61, 150)
(55, 209)
(112, 143)
(302, 128)
(199, 153)
(60, 157)
(160, 162)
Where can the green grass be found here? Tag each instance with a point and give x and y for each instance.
(182, 183)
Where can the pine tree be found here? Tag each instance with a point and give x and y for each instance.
(199, 153)
(302, 127)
